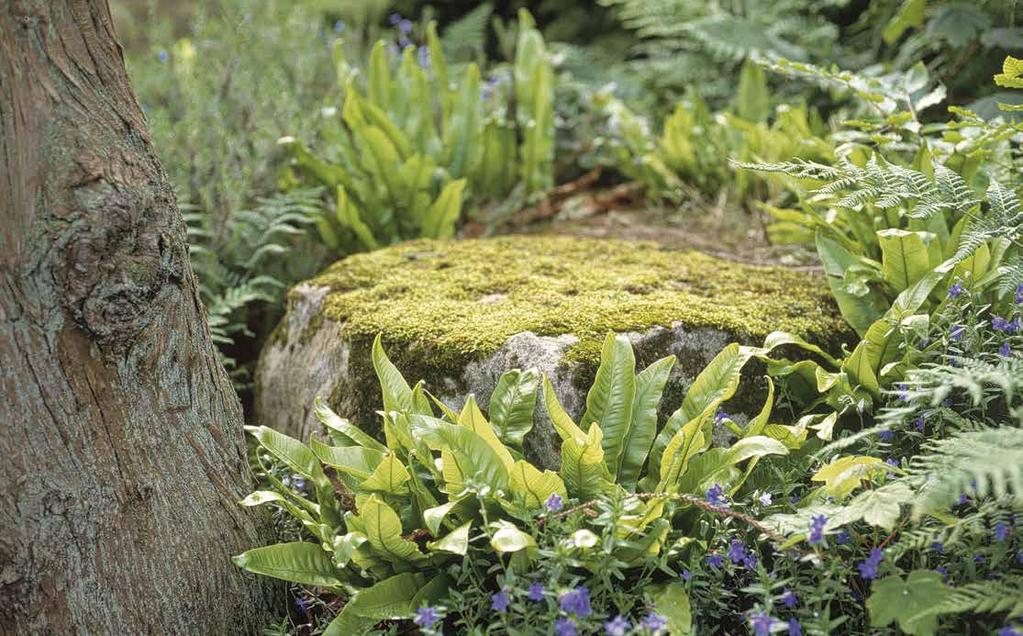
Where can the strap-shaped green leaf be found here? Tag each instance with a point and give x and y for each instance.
(470, 462)
(298, 562)
(331, 420)
(391, 598)
(636, 444)
(582, 465)
(397, 394)
(904, 256)
(512, 405)
(390, 477)
(383, 532)
(609, 401)
(533, 487)
(357, 461)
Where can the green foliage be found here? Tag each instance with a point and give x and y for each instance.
(412, 142)
(458, 485)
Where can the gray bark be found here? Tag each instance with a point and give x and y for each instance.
(120, 436)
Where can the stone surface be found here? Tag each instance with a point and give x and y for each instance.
(458, 314)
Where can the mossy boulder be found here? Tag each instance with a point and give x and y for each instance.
(459, 313)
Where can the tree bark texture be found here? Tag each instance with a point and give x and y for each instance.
(121, 450)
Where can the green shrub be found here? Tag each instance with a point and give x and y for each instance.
(390, 518)
(413, 142)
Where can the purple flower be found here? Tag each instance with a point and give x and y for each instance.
(891, 461)
(576, 602)
(721, 416)
(765, 499)
(956, 290)
(500, 601)
(535, 592)
(424, 57)
(655, 622)
(394, 19)
(942, 570)
(817, 524)
(843, 538)
(554, 503)
(687, 575)
(617, 626)
(736, 551)
(339, 26)
(405, 26)
(1005, 350)
(163, 56)
(868, 567)
(963, 499)
(715, 561)
(1001, 324)
(716, 496)
(761, 623)
(979, 559)
(750, 561)
(920, 424)
(956, 333)
(795, 629)
(886, 435)
(298, 482)
(938, 547)
(426, 616)
(1008, 631)
(903, 391)
(1019, 295)
(1002, 531)
(301, 606)
(564, 627)
(789, 599)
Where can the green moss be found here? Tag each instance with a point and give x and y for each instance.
(463, 299)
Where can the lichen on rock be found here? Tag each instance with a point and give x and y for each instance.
(459, 313)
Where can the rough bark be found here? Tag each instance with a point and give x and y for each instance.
(120, 435)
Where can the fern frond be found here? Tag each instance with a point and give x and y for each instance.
(985, 462)
(984, 597)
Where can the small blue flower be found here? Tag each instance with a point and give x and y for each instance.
(405, 27)
(394, 19)
(795, 629)
(891, 461)
(789, 599)
(721, 416)
(736, 551)
(1019, 295)
(794, 499)
(554, 503)
(564, 627)
(617, 626)
(301, 606)
(886, 435)
(761, 623)
(576, 602)
(716, 496)
(424, 57)
(1005, 350)
(750, 561)
(980, 559)
(938, 547)
(500, 601)
(535, 592)
(163, 56)
(1001, 324)
(963, 499)
(817, 524)
(339, 26)
(956, 333)
(687, 575)
(426, 616)
(715, 561)
(655, 622)
(1008, 631)
(1002, 531)
(298, 482)
(868, 567)
(765, 499)
(903, 391)
(920, 424)
(843, 538)
(956, 290)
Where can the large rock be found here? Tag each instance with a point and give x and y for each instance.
(458, 314)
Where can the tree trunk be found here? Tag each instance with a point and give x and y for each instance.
(121, 450)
